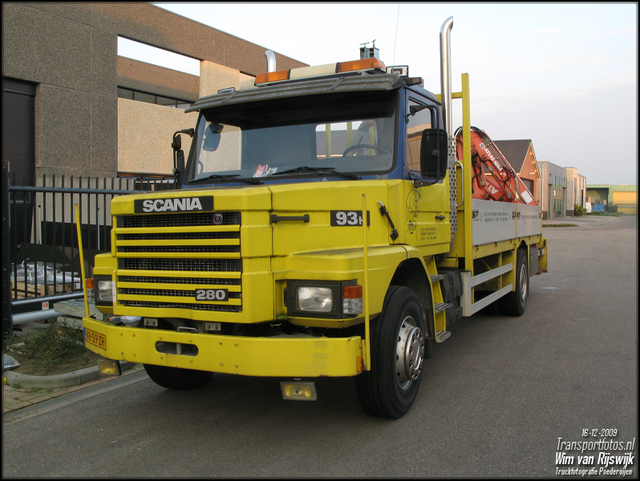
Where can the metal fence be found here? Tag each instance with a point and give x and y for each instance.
(41, 264)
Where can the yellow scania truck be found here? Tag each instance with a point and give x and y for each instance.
(322, 226)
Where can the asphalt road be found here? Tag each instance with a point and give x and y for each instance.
(497, 399)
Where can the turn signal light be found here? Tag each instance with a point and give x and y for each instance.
(352, 299)
(352, 291)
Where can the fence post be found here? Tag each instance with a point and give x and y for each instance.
(7, 323)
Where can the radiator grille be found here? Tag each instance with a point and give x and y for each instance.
(155, 252)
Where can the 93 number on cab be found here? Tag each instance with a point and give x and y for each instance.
(341, 218)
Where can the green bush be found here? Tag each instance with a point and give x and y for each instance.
(579, 210)
(56, 344)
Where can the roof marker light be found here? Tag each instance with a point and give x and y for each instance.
(362, 64)
(272, 76)
(319, 71)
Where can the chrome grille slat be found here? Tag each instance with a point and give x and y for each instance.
(195, 307)
(179, 249)
(186, 236)
(177, 220)
(181, 280)
(204, 265)
(166, 293)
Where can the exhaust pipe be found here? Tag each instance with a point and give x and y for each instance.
(447, 111)
(271, 61)
(445, 73)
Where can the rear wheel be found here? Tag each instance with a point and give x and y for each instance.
(397, 356)
(515, 303)
(176, 378)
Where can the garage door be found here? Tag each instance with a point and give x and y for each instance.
(625, 198)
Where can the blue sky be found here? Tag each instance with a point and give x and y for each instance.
(561, 74)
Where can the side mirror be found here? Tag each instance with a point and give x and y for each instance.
(177, 142)
(178, 154)
(434, 154)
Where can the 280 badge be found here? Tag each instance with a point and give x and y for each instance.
(212, 295)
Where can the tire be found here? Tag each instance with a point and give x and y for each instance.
(397, 356)
(176, 378)
(515, 303)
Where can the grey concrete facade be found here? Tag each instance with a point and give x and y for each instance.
(576, 190)
(553, 186)
(69, 50)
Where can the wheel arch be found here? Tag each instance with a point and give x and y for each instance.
(525, 247)
(412, 273)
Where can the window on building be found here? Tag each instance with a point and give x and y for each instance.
(557, 207)
(131, 94)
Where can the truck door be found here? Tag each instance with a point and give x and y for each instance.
(427, 204)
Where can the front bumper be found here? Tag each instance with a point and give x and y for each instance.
(249, 356)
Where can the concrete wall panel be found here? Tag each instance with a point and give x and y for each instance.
(40, 47)
(161, 81)
(214, 77)
(154, 26)
(63, 119)
(104, 131)
(145, 132)
(104, 62)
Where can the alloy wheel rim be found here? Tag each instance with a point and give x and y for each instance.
(409, 352)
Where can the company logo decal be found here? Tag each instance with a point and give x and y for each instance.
(151, 206)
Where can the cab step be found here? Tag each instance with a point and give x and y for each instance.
(442, 306)
(442, 336)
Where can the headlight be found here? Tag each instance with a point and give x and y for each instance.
(332, 299)
(104, 288)
(314, 299)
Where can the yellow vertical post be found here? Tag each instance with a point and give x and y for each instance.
(80, 252)
(468, 173)
(328, 141)
(372, 140)
(365, 288)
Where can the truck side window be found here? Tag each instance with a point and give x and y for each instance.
(416, 124)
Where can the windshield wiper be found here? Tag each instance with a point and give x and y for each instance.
(317, 170)
(248, 180)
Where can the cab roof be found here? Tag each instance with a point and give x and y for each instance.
(361, 81)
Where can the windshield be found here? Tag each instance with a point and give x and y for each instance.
(320, 134)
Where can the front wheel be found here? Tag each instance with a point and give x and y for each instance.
(176, 378)
(390, 387)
